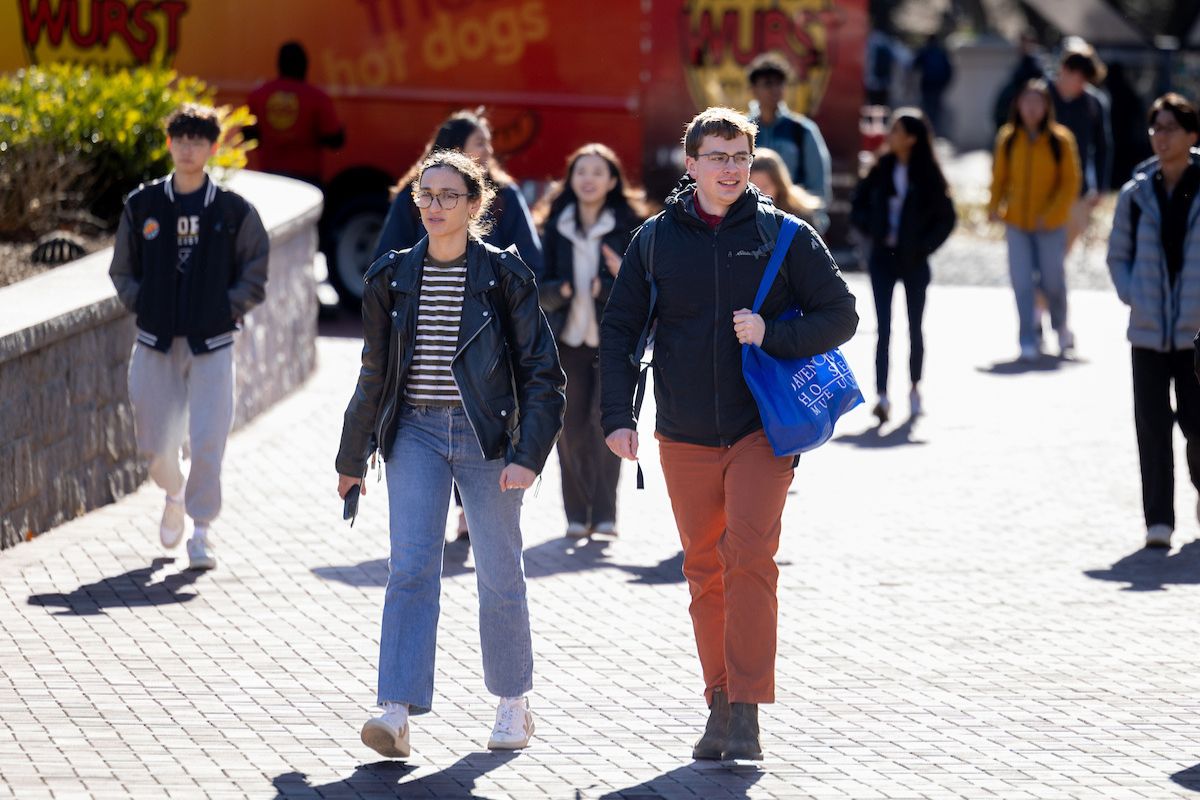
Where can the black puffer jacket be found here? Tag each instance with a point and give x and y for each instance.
(926, 218)
(703, 276)
(559, 267)
(504, 346)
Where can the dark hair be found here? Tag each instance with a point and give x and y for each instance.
(769, 65)
(453, 134)
(1040, 86)
(922, 162)
(194, 119)
(1085, 62)
(293, 61)
(1180, 108)
(626, 202)
(478, 186)
(717, 121)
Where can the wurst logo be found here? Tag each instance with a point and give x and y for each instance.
(721, 37)
(106, 32)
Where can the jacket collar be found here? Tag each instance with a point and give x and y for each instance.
(481, 273)
(683, 199)
(1143, 178)
(209, 189)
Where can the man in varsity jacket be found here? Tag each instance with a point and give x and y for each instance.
(190, 260)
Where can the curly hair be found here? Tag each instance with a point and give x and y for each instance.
(473, 175)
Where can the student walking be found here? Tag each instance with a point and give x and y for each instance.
(1035, 180)
(795, 137)
(509, 223)
(903, 208)
(456, 355)
(190, 260)
(727, 487)
(591, 217)
(1154, 260)
(1083, 109)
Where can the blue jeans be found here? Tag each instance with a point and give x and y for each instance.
(1035, 260)
(434, 448)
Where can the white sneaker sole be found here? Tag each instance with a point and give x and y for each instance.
(202, 564)
(379, 738)
(519, 744)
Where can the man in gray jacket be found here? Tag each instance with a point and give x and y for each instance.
(1155, 266)
(190, 260)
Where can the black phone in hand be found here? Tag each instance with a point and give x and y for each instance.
(350, 506)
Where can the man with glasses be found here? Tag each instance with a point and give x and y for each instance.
(1154, 259)
(705, 260)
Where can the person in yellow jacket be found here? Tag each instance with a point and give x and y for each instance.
(1035, 179)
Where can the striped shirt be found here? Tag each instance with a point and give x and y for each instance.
(430, 382)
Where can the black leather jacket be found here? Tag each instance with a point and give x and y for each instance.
(506, 367)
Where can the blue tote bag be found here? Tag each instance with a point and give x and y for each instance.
(799, 399)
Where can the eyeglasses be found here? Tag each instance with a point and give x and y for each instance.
(1167, 129)
(719, 159)
(446, 200)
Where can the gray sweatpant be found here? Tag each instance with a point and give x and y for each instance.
(177, 393)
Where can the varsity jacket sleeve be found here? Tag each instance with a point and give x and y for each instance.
(620, 328)
(126, 267)
(829, 318)
(252, 249)
(1120, 244)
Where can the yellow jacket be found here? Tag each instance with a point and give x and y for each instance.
(1028, 186)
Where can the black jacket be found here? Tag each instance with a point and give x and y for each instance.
(226, 278)
(558, 254)
(703, 276)
(926, 218)
(504, 346)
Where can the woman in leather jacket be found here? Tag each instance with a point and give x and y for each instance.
(460, 381)
(590, 220)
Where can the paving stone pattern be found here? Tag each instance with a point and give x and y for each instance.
(965, 613)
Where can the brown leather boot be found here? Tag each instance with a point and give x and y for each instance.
(712, 744)
(743, 733)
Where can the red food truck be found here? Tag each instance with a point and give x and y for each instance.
(553, 74)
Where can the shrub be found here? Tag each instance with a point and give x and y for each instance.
(104, 127)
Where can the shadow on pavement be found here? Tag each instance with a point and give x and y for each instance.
(873, 437)
(555, 557)
(1044, 363)
(386, 779)
(1152, 570)
(132, 589)
(698, 779)
(1188, 778)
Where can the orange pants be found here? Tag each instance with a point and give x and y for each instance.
(728, 502)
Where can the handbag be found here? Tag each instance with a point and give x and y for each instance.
(799, 399)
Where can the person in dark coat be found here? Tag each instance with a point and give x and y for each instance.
(903, 207)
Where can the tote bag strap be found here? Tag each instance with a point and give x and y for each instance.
(786, 233)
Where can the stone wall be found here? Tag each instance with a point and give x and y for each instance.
(66, 427)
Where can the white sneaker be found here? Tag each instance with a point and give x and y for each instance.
(1066, 343)
(1158, 536)
(170, 530)
(914, 403)
(199, 550)
(576, 530)
(1029, 352)
(387, 734)
(605, 528)
(514, 725)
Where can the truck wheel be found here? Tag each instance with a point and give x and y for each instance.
(354, 232)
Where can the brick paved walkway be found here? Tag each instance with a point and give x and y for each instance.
(965, 614)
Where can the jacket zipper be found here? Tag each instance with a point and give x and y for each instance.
(716, 328)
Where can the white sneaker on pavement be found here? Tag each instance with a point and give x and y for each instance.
(914, 403)
(576, 530)
(514, 725)
(1158, 536)
(199, 550)
(387, 734)
(170, 530)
